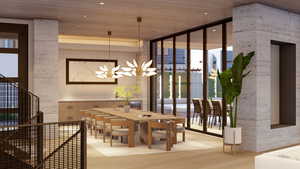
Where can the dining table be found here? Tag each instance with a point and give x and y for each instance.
(138, 118)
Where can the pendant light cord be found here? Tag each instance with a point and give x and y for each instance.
(109, 34)
(139, 20)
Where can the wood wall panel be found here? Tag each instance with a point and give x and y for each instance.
(70, 110)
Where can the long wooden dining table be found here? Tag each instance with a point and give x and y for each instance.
(138, 117)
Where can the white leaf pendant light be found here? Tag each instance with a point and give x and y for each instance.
(134, 69)
(105, 72)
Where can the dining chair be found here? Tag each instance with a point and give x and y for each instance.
(124, 128)
(92, 120)
(218, 115)
(161, 130)
(89, 121)
(106, 125)
(179, 128)
(209, 110)
(99, 125)
(197, 110)
(83, 115)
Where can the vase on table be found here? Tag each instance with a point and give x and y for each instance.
(126, 108)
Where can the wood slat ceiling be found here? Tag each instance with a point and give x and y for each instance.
(160, 17)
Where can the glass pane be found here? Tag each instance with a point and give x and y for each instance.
(181, 75)
(168, 73)
(8, 40)
(158, 76)
(214, 91)
(9, 64)
(229, 46)
(196, 83)
(8, 91)
(230, 57)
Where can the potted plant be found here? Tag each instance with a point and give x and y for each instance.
(127, 93)
(232, 81)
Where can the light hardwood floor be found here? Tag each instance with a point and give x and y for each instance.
(200, 159)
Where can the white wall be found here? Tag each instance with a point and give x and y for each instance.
(98, 91)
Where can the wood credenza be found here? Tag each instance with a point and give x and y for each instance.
(69, 110)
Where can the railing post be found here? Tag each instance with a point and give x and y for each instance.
(40, 139)
(83, 156)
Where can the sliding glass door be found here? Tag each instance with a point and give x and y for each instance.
(196, 81)
(186, 83)
(181, 85)
(214, 90)
(168, 76)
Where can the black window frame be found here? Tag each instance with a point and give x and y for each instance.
(153, 98)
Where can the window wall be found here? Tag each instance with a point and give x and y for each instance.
(181, 84)
(186, 84)
(168, 76)
(158, 78)
(214, 90)
(196, 80)
(14, 67)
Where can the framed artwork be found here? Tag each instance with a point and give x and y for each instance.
(83, 71)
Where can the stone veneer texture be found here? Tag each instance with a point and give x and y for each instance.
(45, 66)
(255, 25)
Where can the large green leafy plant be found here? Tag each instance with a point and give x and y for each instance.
(232, 81)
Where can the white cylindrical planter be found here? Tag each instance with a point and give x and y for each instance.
(126, 108)
(233, 136)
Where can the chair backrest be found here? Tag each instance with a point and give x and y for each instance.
(120, 122)
(153, 124)
(208, 105)
(83, 113)
(101, 117)
(90, 113)
(179, 121)
(107, 119)
(197, 105)
(217, 107)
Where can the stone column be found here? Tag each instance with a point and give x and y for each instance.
(45, 79)
(254, 26)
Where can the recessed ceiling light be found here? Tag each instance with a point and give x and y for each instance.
(100, 3)
(85, 16)
(214, 30)
(205, 13)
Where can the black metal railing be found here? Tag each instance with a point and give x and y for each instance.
(17, 105)
(60, 145)
(20, 144)
(27, 142)
(65, 146)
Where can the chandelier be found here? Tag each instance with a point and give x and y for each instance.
(134, 69)
(140, 70)
(105, 72)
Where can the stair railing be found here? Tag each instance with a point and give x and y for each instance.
(27, 142)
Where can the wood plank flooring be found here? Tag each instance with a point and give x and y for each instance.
(200, 159)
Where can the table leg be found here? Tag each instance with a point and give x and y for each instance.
(131, 135)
